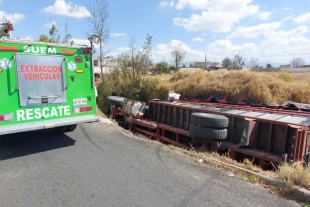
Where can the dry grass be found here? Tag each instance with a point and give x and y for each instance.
(242, 85)
(291, 175)
(295, 175)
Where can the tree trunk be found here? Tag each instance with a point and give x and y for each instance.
(101, 59)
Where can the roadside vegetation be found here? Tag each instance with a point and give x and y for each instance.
(242, 85)
(289, 176)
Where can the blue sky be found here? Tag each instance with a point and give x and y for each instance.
(271, 31)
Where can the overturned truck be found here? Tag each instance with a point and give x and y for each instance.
(273, 134)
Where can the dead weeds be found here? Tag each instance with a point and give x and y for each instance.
(242, 85)
(289, 175)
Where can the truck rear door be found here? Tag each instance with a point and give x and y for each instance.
(41, 79)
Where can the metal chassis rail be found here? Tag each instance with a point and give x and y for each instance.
(264, 141)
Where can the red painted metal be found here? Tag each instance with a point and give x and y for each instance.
(144, 123)
(252, 108)
(66, 52)
(162, 138)
(7, 48)
(262, 139)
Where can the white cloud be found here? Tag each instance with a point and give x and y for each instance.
(123, 49)
(216, 16)
(85, 42)
(164, 4)
(287, 8)
(302, 19)
(288, 18)
(60, 7)
(294, 33)
(254, 31)
(49, 25)
(26, 38)
(220, 5)
(277, 47)
(12, 17)
(225, 48)
(82, 42)
(118, 34)
(116, 52)
(264, 15)
(197, 39)
(163, 51)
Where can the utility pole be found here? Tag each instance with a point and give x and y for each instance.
(206, 61)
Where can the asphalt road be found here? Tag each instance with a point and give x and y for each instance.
(98, 165)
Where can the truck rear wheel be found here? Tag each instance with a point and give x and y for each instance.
(207, 133)
(209, 120)
(71, 127)
(64, 129)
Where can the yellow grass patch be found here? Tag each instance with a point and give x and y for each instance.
(242, 85)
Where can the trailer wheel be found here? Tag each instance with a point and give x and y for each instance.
(71, 127)
(209, 120)
(116, 100)
(207, 133)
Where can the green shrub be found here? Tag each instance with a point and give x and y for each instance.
(286, 77)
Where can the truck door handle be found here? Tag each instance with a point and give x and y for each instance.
(40, 97)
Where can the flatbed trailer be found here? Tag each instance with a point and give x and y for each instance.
(264, 135)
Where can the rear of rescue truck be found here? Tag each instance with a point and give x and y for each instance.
(45, 85)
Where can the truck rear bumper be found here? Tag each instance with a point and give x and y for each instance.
(15, 128)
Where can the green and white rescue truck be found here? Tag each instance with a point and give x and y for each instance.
(45, 85)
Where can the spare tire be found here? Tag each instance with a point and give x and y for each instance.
(116, 100)
(209, 120)
(207, 133)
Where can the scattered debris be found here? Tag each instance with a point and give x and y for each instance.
(230, 174)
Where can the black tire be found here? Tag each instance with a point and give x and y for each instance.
(61, 129)
(209, 120)
(71, 127)
(207, 133)
(116, 100)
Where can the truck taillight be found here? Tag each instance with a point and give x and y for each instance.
(78, 59)
(82, 109)
(6, 117)
(86, 51)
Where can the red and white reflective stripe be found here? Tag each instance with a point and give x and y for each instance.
(7, 48)
(66, 52)
(6, 117)
(82, 109)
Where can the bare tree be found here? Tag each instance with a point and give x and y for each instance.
(68, 36)
(99, 10)
(254, 63)
(132, 66)
(297, 62)
(178, 55)
(239, 61)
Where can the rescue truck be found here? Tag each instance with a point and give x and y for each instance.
(45, 85)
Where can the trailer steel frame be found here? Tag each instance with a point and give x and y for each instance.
(265, 135)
